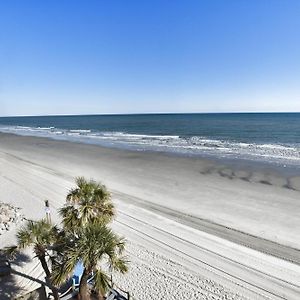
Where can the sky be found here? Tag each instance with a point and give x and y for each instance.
(95, 57)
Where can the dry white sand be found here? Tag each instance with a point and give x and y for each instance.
(196, 230)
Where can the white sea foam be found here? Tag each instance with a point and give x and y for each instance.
(45, 128)
(80, 131)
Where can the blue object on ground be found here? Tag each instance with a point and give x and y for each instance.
(78, 270)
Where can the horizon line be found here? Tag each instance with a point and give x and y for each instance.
(152, 113)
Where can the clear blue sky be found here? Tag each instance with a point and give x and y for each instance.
(81, 57)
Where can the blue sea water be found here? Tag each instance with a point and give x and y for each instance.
(269, 137)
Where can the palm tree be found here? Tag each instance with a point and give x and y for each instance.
(96, 246)
(89, 202)
(40, 235)
(89, 208)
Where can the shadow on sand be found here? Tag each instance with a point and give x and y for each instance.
(9, 284)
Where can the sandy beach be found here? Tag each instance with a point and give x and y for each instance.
(196, 228)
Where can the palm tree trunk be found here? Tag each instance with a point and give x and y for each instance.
(45, 266)
(100, 296)
(48, 277)
(83, 286)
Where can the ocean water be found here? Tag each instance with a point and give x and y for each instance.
(268, 137)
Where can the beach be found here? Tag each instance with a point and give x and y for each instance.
(196, 228)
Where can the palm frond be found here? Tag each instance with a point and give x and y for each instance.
(120, 264)
(10, 252)
(61, 271)
(39, 234)
(93, 204)
(102, 281)
(70, 217)
(25, 236)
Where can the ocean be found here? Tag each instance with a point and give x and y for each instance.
(262, 137)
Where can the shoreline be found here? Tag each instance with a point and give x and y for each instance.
(165, 206)
(233, 168)
(282, 166)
